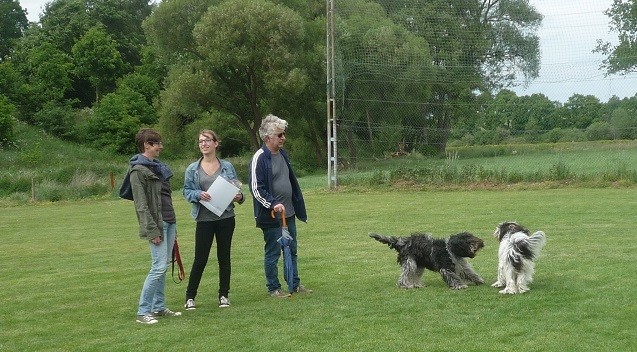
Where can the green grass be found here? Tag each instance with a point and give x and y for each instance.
(72, 273)
(587, 164)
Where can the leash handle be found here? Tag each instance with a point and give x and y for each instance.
(176, 258)
(283, 220)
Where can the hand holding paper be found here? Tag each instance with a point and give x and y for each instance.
(221, 192)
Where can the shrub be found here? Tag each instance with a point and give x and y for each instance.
(599, 130)
(7, 122)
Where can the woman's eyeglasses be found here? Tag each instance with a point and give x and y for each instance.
(206, 141)
(280, 135)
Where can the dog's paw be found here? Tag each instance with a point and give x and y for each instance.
(508, 291)
(479, 281)
(459, 287)
(497, 284)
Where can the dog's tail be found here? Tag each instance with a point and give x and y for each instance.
(530, 247)
(392, 241)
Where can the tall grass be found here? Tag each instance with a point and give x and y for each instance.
(598, 164)
(48, 169)
(73, 272)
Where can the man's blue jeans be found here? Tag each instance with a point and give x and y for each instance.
(152, 298)
(273, 249)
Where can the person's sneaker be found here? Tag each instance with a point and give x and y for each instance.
(190, 304)
(279, 294)
(166, 313)
(146, 319)
(223, 302)
(302, 289)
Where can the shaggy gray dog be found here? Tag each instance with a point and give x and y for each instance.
(516, 256)
(446, 256)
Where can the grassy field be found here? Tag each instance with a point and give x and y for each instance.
(72, 273)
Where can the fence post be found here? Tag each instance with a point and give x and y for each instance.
(112, 180)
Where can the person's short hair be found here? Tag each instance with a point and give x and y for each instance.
(146, 135)
(270, 124)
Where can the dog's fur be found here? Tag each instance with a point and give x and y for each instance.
(516, 256)
(446, 256)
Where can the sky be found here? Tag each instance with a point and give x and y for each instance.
(568, 35)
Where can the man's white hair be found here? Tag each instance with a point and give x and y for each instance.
(270, 124)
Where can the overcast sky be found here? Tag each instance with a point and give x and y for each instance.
(567, 37)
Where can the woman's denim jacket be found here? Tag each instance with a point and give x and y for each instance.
(192, 191)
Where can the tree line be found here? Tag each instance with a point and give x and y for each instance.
(95, 71)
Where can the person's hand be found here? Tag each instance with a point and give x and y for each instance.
(205, 196)
(238, 196)
(279, 208)
(156, 240)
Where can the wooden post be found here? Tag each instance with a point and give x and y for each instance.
(112, 180)
(32, 189)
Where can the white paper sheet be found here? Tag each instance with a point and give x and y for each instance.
(221, 194)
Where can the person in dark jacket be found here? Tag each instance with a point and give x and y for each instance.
(150, 183)
(275, 190)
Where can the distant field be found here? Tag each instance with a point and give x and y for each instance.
(586, 163)
(48, 169)
(73, 272)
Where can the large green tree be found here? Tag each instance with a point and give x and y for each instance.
(13, 22)
(241, 59)
(622, 56)
(96, 58)
(476, 45)
(379, 63)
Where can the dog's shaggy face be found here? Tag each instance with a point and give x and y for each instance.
(465, 245)
(421, 251)
(507, 228)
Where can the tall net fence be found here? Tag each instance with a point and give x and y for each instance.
(416, 76)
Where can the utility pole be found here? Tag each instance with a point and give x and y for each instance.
(332, 155)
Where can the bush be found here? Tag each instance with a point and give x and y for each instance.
(57, 118)
(7, 122)
(573, 135)
(599, 130)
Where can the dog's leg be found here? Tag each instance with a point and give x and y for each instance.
(526, 276)
(467, 272)
(452, 279)
(418, 278)
(406, 277)
(501, 281)
(511, 277)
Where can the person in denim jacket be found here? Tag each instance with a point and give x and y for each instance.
(198, 178)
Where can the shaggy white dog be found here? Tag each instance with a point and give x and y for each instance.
(516, 256)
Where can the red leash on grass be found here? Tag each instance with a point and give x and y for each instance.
(176, 258)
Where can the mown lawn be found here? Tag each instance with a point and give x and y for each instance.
(72, 273)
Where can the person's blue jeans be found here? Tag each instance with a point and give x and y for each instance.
(273, 250)
(152, 298)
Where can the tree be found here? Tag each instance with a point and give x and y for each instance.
(380, 62)
(476, 46)
(96, 57)
(116, 118)
(621, 57)
(623, 124)
(13, 22)
(7, 112)
(579, 111)
(242, 58)
(13, 88)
